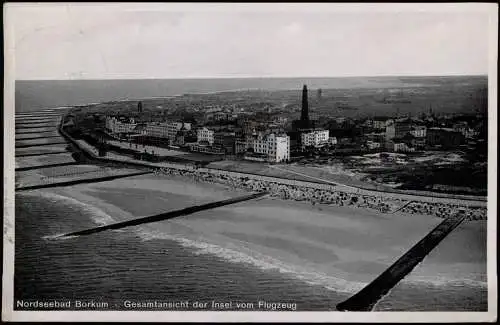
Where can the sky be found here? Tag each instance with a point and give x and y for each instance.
(92, 41)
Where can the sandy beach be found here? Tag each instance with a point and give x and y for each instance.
(340, 248)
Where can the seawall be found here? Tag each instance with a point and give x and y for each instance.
(314, 192)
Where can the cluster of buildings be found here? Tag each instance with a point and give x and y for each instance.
(128, 127)
(266, 142)
(268, 138)
(408, 135)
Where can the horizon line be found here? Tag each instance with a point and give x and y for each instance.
(267, 77)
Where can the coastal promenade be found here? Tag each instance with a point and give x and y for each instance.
(313, 191)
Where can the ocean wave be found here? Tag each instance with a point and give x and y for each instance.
(97, 215)
(58, 237)
(242, 255)
(234, 253)
(439, 281)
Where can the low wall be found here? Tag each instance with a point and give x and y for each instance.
(325, 194)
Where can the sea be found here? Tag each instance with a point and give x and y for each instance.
(110, 270)
(31, 95)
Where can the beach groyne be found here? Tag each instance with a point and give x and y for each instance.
(28, 126)
(49, 123)
(19, 169)
(40, 154)
(365, 299)
(40, 137)
(36, 132)
(167, 215)
(39, 144)
(79, 181)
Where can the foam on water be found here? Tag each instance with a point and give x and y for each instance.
(97, 215)
(234, 253)
(438, 281)
(242, 255)
(58, 237)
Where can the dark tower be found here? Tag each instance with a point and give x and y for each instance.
(139, 107)
(305, 105)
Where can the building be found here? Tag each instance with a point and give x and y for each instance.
(205, 135)
(396, 130)
(402, 147)
(304, 115)
(241, 146)
(174, 127)
(274, 147)
(156, 129)
(120, 127)
(208, 149)
(304, 123)
(463, 127)
(216, 117)
(445, 137)
(226, 141)
(381, 122)
(316, 138)
(419, 132)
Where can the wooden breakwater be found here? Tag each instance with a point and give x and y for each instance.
(365, 299)
(80, 181)
(40, 126)
(23, 124)
(36, 132)
(39, 144)
(19, 169)
(40, 154)
(41, 137)
(166, 215)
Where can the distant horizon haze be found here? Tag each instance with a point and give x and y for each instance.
(31, 95)
(271, 77)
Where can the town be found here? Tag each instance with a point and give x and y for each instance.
(236, 127)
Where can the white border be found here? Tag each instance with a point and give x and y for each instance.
(203, 316)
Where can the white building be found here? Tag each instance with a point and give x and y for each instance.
(205, 134)
(158, 130)
(117, 127)
(316, 138)
(276, 147)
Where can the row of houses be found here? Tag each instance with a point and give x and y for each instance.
(265, 146)
(127, 126)
(261, 146)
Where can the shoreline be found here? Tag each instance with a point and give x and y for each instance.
(219, 236)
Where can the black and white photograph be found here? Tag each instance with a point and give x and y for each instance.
(250, 162)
